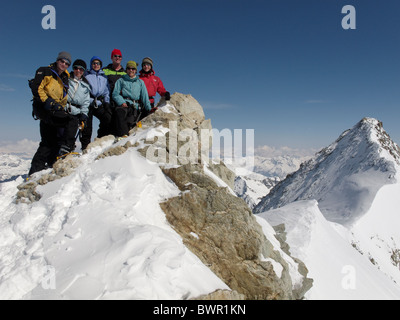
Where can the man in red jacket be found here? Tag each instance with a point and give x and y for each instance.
(152, 82)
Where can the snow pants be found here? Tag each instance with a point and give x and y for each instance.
(57, 128)
(125, 120)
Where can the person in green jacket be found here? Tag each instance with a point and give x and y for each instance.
(131, 97)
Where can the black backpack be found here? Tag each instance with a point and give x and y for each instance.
(30, 83)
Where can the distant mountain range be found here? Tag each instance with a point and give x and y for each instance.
(13, 166)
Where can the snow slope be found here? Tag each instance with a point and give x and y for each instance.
(338, 270)
(99, 234)
(376, 234)
(341, 211)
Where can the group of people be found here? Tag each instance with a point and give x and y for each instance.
(66, 102)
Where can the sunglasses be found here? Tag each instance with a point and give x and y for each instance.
(79, 68)
(96, 63)
(65, 62)
(130, 69)
(119, 57)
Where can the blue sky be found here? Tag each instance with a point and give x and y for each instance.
(285, 68)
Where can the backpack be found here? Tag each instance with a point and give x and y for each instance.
(30, 83)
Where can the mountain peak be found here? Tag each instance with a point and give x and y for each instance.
(381, 138)
(343, 177)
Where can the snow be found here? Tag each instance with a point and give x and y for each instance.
(344, 177)
(342, 216)
(101, 234)
(338, 270)
(12, 166)
(376, 234)
(98, 234)
(269, 232)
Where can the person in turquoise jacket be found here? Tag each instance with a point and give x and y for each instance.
(130, 95)
(79, 94)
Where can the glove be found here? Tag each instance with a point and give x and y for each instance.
(154, 109)
(167, 96)
(51, 105)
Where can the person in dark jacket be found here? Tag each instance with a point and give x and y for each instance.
(114, 70)
(99, 100)
(57, 126)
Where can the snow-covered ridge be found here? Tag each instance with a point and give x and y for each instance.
(344, 177)
(95, 229)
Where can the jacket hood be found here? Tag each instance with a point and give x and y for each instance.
(72, 77)
(127, 78)
(100, 72)
(150, 73)
(96, 58)
(53, 67)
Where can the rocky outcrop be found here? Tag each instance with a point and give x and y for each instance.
(221, 295)
(214, 223)
(27, 191)
(221, 230)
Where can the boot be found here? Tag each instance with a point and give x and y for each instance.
(64, 150)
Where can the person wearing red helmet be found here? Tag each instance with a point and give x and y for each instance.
(114, 70)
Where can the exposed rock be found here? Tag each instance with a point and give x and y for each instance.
(27, 191)
(98, 142)
(221, 170)
(221, 230)
(189, 108)
(222, 295)
(115, 151)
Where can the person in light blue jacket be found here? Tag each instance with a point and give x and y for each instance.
(130, 95)
(79, 94)
(99, 100)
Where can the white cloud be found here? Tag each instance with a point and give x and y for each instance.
(16, 75)
(271, 152)
(6, 88)
(25, 148)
